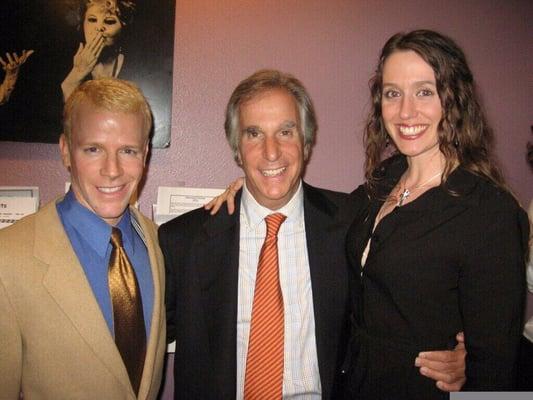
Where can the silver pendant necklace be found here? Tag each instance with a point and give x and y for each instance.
(408, 191)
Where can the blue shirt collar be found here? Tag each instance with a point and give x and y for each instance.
(95, 231)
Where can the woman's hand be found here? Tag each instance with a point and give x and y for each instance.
(86, 57)
(227, 196)
(83, 64)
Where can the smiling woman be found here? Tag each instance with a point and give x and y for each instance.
(103, 23)
(441, 246)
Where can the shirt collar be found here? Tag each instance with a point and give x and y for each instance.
(254, 213)
(92, 228)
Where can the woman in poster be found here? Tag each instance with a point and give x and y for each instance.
(103, 23)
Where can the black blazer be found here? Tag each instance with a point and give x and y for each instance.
(201, 258)
(438, 265)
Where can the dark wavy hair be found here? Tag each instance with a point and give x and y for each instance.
(464, 134)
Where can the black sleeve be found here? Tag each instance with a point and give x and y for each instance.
(492, 293)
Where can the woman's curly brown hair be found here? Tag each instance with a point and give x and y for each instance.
(464, 134)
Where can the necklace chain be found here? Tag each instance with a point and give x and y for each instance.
(408, 191)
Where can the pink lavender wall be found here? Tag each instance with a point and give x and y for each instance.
(332, 46)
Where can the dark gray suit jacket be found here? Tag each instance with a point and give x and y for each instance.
(202, 260)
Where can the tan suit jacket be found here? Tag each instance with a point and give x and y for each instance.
(54, 341)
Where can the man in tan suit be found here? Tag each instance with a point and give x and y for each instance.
(58, 316)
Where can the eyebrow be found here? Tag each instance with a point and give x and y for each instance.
(288, 125)
(252, 128)
(417, 83)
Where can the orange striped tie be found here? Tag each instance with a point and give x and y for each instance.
(264, 363)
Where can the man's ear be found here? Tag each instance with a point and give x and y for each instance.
(238, 158)
(307, 151)
(65, 150)
(145, 152)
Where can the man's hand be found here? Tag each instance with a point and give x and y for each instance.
(446, 367)
(227, 196)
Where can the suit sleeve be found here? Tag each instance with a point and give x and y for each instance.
(10, 349)
(165, 242)
(492, 287)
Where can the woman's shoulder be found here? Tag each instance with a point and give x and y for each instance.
(485, 192)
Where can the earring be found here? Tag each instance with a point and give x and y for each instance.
(456, 142)
(387, 142)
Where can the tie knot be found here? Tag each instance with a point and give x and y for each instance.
(273, 222)
(116, 237)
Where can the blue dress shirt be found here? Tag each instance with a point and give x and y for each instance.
(89, 235)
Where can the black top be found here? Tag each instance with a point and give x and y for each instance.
(440, 264)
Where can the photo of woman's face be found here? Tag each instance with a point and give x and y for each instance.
(99, 18)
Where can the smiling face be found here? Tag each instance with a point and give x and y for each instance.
(410, 104)
(104, 19)
(106, 158)
(271, 149)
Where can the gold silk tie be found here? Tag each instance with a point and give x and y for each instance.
(128, 319)
(264, 363)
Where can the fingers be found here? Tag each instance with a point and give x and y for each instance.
(444, 363)
(439, 376)
(451, 387)
(87, 55)
(80, 49)
(96, 44)
(213, 202)
(445, 367)
(13, 61)
(444, 356)
(227, 196)
(26, 55)
(10, 59)
(451, 380)
(217, 202)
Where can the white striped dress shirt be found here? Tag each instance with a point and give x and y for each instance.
(301, 378)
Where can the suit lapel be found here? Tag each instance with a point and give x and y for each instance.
(324, 235)
(217, 259)
(157, 325)
(67, 284)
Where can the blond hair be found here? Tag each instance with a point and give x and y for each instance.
(115, 95)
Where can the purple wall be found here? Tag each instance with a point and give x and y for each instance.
(332, 46)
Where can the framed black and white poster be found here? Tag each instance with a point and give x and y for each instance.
(49, 47)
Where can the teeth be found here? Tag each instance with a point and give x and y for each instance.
(110, 189)
(272, 172)
(412, 130)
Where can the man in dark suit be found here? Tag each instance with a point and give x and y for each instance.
(212, 261)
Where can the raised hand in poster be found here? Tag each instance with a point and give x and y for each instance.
(11, 65)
